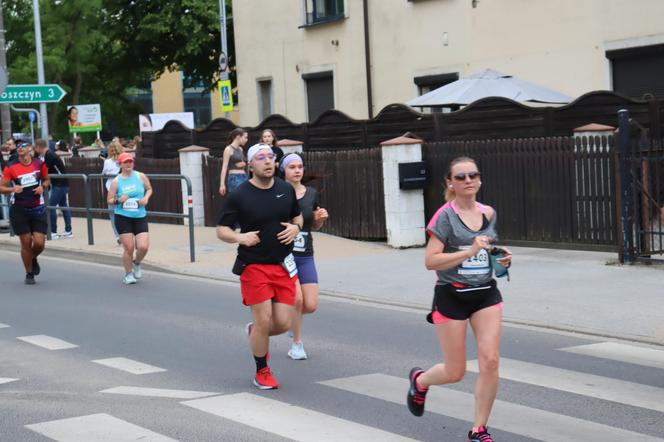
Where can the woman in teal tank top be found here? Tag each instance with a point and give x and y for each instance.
(129, 194)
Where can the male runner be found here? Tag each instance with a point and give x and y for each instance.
(27, 179)
(269, 216)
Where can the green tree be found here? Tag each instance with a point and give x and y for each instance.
(98, 50)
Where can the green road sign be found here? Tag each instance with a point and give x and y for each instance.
(32, 93)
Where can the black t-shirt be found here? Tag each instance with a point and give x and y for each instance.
(304, 242)
(263, 210)
(279, 154)
(55, 166)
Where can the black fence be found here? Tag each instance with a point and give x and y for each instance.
(490, 118)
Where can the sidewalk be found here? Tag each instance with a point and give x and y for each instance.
(569, 290)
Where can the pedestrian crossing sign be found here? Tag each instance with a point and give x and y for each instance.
(225, 95)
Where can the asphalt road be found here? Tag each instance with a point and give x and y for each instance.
(190, 334)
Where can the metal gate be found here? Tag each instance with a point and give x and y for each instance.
(640, 190)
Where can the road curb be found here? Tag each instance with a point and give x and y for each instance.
(108, 259)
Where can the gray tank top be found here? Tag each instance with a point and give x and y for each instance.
(237, 157)
(447, 226)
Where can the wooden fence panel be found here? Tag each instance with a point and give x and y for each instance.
(545, 190)
(213, 199)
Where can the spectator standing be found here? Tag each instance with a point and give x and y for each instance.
(270, 138)
(77, 145)
(234, 162)
(112, 168)
(59, 186)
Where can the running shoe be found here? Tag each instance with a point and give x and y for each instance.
(416, 397)
(138, 273)
(265, 380)
(481, 435)
(55, 236)
(36, 270)
(129, 279)
(30, 279)
(297, 352)
(66, 234)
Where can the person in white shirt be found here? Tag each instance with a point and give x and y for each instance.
(112, 167)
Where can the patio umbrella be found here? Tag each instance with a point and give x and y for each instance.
(488, 83)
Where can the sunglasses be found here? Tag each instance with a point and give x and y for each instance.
(462, 176)
(263, 156)
(22, 145)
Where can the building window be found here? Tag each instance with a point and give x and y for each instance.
(322, 11)
(638, 71)
(320, 93)
(264, 99)
(428, 83)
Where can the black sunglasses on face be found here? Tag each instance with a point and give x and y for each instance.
(462, 176)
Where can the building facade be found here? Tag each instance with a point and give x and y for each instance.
(300, 57)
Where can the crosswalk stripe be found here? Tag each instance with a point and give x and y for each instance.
(129, 365)
(518, 419)
(585, 384)
(615, 351)
(47, 342)
(100, 427)
(4, 325)
(288, 420)
(159, 392)
(7, 380)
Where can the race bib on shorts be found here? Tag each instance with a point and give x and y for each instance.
(289, 265)
(29, 180)
(300, 243)
(476, 265)
(130, 205)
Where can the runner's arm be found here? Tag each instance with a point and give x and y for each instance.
(148, 190)
(435, 259)
(6, 186)
(248, 239)
(112, 191)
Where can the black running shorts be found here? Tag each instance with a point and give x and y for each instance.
(28, 220)
(124, 224)
(462, 301)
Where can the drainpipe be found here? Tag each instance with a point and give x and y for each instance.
(367, 56)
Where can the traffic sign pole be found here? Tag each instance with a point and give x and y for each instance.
(40, 67)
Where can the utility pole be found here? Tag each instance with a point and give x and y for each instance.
(5, 116)
(40, 67)
(223, 73)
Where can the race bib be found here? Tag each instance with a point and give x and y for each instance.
(300, 243)
(476, 265)
(289, 265)
(29, 179)
(131, 204)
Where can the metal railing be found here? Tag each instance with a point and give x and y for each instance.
(89, 210)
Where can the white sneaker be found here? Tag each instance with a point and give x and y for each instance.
(129, 279)
(138, 273)
(297, 352)
(55, 236)
(66, 235)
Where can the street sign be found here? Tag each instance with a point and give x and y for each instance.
(32, 116)
(32, 93)
(225, 95)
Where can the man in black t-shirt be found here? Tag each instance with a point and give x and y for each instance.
(269, 216)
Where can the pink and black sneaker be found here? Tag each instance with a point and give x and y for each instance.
(481, 435)
(416, 395)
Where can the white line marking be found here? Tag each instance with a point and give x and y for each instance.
(159, 392)
(7, 380)
(129, 365)
(288, 420)
(615, 351)
(591, 385)
(4, 325)
(519, 419)
(96, 428)
(47, 342)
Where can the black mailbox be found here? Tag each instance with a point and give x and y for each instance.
(412, 175)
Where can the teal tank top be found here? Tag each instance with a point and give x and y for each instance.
(135, 189)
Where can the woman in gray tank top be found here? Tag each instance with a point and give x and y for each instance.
(234, 162)
(459, 251)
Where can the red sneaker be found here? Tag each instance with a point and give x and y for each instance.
(265, 380)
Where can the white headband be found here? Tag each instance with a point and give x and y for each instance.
(253, 150)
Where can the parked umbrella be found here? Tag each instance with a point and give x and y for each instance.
(488, 83)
